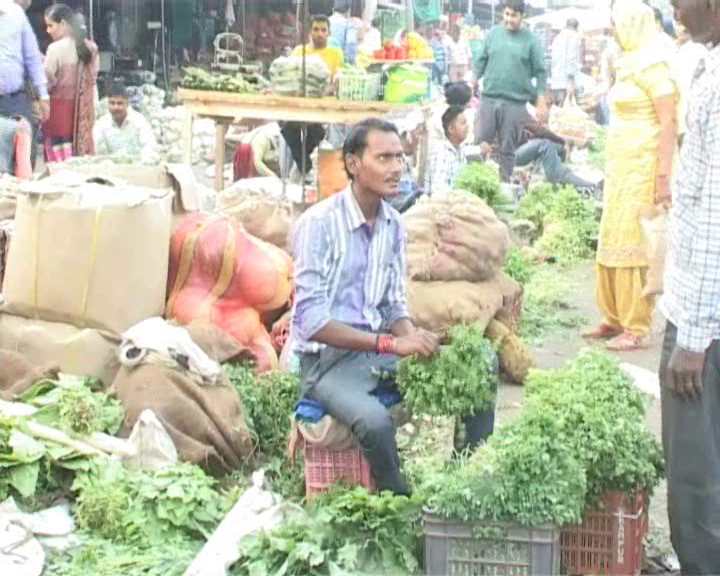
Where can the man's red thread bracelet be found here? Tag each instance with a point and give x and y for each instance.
(385, 344)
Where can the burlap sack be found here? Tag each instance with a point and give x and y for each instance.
(90, 255)
(83, 352)
(654, 223)
(437, 306)
(258, 205)
(454, 236)
(17, 374)
(206, 423)
(515, 358)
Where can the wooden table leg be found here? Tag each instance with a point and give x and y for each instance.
(188, 137)
(220, 132)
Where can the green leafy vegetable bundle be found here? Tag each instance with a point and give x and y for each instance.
(101, 557)
(602, 416)
(460, 380)
(570, 227)
(519, 266)
(148, 507)
(525, 473)
(199, 79)
(566, 220)
(483, 181)
(75, 405)
(269, 400)
(344, 532)
(582, 433)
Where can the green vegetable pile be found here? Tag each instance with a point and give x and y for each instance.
(74, 405)
(519, 266)
(458, 381)
(144, 508)
(199, 79)
(101, 557)
(346, 531)
(483, 181)
(567, 223)
(269, 400)
(33, 467)
(20, 460)
(603, 418)
(581, 434)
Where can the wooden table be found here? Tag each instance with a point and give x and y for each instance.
(226, 108)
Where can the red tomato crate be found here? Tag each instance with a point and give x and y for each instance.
(324, 467)
(610, 538)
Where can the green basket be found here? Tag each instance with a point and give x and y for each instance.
(359, 88)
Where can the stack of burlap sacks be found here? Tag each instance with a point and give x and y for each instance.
(90, 260)
(456, 249)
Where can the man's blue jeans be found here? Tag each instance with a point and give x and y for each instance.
(551, 155)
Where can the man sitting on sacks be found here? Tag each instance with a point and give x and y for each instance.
(350, 318)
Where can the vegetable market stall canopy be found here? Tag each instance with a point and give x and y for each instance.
(225, 108)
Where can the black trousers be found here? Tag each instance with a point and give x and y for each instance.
(501, 120)
(292, 132)
(691, 441)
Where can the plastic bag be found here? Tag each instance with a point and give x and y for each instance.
(653, 222)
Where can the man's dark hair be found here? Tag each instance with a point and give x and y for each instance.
(117, 90)
(458, 93)
(319, 18)
(449, 117)
(516, 5)
(573, 23)
(357, 141)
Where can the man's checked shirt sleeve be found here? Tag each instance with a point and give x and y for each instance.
(692, 295)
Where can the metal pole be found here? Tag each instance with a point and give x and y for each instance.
(91, 26)
(492, 13)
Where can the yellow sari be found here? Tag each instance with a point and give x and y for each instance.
(643, 74)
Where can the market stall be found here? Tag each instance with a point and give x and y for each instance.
(225, 108)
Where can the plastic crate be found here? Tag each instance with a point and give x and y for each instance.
(610, 538)
(359, 88)
(489, 548)
(324, 467)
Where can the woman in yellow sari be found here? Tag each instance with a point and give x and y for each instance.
(640, 148)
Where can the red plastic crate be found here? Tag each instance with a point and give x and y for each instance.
(610, 538)
(324, 467)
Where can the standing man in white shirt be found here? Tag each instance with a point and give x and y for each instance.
(566, 64)
(690, 363)
(123, 131)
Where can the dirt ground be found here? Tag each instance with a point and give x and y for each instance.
(563, 345)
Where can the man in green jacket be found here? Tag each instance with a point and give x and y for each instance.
(512, 66)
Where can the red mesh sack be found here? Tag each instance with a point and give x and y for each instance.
(222, 274)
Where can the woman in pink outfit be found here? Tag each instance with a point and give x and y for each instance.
(71, 65)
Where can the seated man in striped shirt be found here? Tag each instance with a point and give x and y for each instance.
(351, 312)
